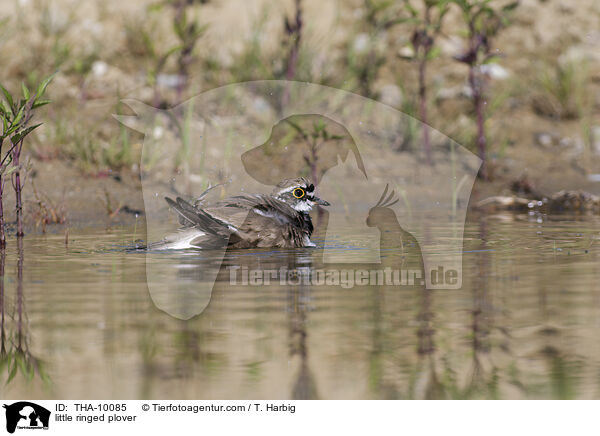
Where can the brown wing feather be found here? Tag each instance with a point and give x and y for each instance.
(248, 221)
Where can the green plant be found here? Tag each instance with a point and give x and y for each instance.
(140, 32)
(484, 22)
(15, 117)
(47, 211)
(54, 28)
(562, 91)
(314, 141)
(426, 26)
(112, 210)
(365, 55)
(252, 62)
(404, 138)
(96, 156)
(184, 154)
(188, 31)
(293, 33)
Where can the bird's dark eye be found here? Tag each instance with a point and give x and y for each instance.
(298, 192)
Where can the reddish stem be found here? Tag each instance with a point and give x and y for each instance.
(428, 42)
(313, 168)
(476, 89)
(2, 233)
(20, 302)
(17, 185)
(295, 32)
(2, 333)
(423, 107)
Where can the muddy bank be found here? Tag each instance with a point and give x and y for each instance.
(66, 198)
(58, 196)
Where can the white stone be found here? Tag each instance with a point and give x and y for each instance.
(391, 95)
(494, 71)
(158, 132)
(583, 55)
(99, 68)
(406, 52)
(461, 91)
(544, 139)
(361, 43)
(170, 80)
(451, 46)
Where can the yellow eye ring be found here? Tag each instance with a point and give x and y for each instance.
(298, 192)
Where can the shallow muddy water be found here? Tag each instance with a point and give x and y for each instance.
(524, 325)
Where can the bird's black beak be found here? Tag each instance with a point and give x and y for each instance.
(321, 202)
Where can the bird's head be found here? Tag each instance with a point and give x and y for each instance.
(298, 193)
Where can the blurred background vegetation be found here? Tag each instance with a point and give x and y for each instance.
(516, 81)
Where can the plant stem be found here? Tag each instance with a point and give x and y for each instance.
(295, 32)
(476, 89)
(426, 42)
(2, 229)
(2, 333)
(135, 228)
(17, 186)
(185, 56)
(20, 259)
(314, 163)
(2, 233)
(423, 108)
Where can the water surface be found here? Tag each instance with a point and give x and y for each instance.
(82, 323)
